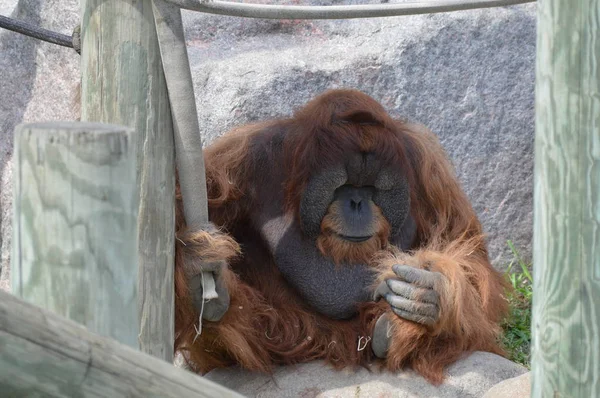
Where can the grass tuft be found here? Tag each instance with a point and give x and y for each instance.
(517, 326)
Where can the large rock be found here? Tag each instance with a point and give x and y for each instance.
(467, 75)
(467, 378)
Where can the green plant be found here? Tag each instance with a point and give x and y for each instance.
(517, 326)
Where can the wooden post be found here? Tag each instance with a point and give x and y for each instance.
(45, 355)
(566, 318)
(123, 83)
(75, 216)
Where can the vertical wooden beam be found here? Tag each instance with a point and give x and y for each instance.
(566, 319)
(123, 83)
(75, 224)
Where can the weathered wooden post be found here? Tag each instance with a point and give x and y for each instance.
(123, 83)
(46, 355)
(75, 224)
(566, 319)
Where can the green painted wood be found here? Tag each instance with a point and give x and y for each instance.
(123, 83)
(75, 224)
(566, 312)
(45, 355)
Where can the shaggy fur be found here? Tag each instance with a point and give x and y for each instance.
(340, 250)
(267, 322)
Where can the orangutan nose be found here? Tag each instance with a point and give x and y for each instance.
(356, 204)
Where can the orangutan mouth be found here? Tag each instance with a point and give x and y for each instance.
(355, 239)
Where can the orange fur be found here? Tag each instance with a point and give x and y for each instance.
(340, 250)
(260, 330)
(267, 322)
(471, 305)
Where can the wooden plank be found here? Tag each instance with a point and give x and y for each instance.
(75, 221)
(45, 355)
(123, 83)
(566, 321)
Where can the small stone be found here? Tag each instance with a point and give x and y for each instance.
(517, 387)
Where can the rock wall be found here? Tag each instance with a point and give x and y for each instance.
(468, 75)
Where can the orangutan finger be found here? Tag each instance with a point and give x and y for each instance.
(411, 292)
(424, 320)
(381, 291)
(419, 277)
(414, 307)
(382, 336)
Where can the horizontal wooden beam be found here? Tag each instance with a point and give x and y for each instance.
(44, 354)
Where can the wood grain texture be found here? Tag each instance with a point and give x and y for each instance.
(45, 355)
(75, 224)
(566, 316)
(123, 83)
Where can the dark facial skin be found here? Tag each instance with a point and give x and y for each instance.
(355, 212)
(383, 185)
